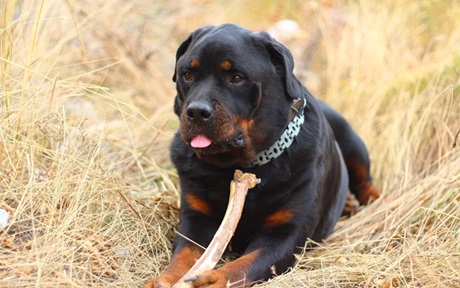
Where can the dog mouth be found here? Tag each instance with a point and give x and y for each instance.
(200, 141)
(205, 144)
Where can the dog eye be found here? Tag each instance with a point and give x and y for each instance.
(188, 77)
(237, 79)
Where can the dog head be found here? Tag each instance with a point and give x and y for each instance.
(234, 93)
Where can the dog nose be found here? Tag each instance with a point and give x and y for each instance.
(199, 110)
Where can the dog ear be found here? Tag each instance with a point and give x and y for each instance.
(178, 105)
(184, 46)
(281, 57)
(181, 51)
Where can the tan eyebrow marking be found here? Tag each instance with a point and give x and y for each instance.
(226, 65)
(194, 63)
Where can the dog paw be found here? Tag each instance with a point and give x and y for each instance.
(351, 205)
(209, 279)
(368, 193)
(160, 282)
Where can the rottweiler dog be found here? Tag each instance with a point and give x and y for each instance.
(241, 107)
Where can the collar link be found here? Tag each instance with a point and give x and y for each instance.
(286, 139)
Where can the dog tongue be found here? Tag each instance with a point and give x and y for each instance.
(200, 141)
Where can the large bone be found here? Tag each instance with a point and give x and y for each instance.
(239, 187)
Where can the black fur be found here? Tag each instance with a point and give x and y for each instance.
(309, 179)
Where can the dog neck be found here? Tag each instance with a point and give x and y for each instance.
(292, 130)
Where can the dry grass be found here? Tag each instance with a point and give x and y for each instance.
(85, 120)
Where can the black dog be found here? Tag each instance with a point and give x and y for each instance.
(240, 106)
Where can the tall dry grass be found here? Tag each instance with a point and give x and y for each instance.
(85, 121)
